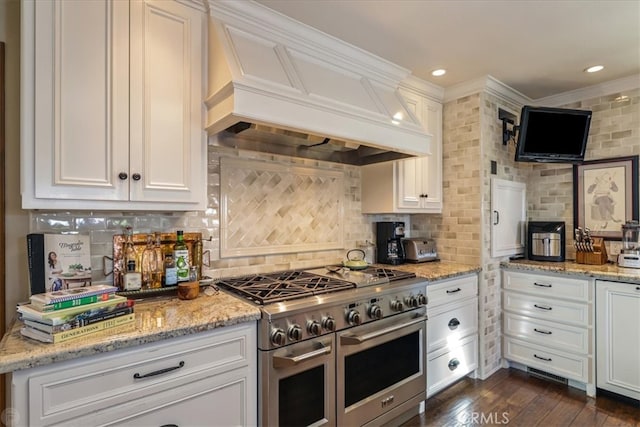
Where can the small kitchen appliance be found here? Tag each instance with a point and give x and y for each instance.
(630, 253)
(389, 237)
(546, 240)
(419, 250)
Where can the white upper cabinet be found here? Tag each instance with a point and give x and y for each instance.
(112, 105)
(412, 185)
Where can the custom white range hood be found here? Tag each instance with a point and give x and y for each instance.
(279, 86)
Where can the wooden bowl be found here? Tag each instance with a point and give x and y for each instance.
(188, 290)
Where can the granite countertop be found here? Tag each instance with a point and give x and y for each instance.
(609, 271)
(168, 317)
(156, 319)
(438, 270)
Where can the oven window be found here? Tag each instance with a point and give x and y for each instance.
(301, 398)
(379, 367)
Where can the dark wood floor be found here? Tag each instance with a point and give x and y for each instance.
(513, 398)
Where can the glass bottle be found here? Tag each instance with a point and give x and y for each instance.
(181, 257)
(159, 272)
(132, 279)
(148, 263)
(170, 271)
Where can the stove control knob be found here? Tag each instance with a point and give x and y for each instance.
(375, 312)
(397, 305)
(329, 323)
(278, 337)
(353, 317)
(422, 299)
(412, 301)
(295, 332)
(313, 326)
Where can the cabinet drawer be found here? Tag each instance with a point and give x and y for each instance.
(548, 286)
(74, 388)
(452, 290)
(450, 322)
(446, 366)
(547, 309)
(571, 366)
(552, 334)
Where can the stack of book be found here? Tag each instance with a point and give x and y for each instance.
(60, 316)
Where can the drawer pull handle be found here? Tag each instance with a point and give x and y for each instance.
(454, 291)
(453, 364)
(540, 331)
(637, 288)
(542, 307)
(159, 371)
(546, 359)
(169, 425)
(542, 285)
(454, 323)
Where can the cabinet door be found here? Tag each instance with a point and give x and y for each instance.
(168, 149)
(80, 99)
(409, 180)
(508, 217)
(432, 165)
(618, 337)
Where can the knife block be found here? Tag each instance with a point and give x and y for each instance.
(596, 257)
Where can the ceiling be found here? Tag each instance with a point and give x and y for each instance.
(537, 47)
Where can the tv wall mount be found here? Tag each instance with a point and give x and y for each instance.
(509, 127)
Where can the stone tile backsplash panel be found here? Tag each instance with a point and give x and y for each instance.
(269, 208)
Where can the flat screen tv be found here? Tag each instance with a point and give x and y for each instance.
(557, 135)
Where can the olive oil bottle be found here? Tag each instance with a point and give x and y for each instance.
(181, 257)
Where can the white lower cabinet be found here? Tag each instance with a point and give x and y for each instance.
(548, 324)
(204, 379)
(618, 337)
(452, 331)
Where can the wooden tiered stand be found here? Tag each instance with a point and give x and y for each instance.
(595, 254)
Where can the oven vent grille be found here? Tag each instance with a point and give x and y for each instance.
(546, 376)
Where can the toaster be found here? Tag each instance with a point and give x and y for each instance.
(418, 249)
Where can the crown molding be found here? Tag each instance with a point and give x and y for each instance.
(595, 91)
(487, 84)
(423, 88)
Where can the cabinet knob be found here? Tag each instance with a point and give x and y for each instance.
(453, 364)
(123, 175)
(136, 177)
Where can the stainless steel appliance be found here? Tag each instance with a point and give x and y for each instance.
(419, 250)
(546, 240)
(389, 237)
(630, 253)
(341, 348)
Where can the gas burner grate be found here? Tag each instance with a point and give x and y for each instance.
(388, 273)
(283, 286)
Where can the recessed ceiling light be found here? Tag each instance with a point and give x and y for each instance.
(439, 72)
(594, 69)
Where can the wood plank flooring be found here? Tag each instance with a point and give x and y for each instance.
(513, 398)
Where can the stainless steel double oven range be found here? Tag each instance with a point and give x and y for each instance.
(344, 349)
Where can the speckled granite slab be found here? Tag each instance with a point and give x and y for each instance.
(156, 320)
(609, 271)
(437, 270)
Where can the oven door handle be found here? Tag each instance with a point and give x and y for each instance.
(359, 339)
(287, 362)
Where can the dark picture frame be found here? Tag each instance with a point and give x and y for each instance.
(605, 195)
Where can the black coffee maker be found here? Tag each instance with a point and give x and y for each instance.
(389, 237)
